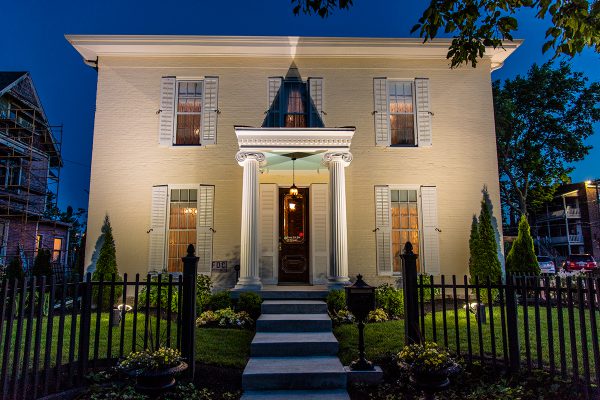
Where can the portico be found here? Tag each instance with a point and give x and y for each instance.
(331, 148)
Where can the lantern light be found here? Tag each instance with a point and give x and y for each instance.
(294, 188)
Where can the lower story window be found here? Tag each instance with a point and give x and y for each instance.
(405, 225)
(183, 213)
(56, 249)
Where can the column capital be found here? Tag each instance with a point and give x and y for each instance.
(242, 156)
(343, 156)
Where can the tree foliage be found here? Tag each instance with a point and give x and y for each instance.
(106, 267)
(42, 265)
(477, 24)
(521, 257)
(484, 263)
(473, 244)
(542, 120)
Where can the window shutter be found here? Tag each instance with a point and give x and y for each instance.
(167, 110)
(158, 226)
(204, 236)
(380, 95)
(274, 110)
(210, 109)
(383, 230)
(268, 258)
(315, 88)
(319, 236)
(423, 112)
(431, 241)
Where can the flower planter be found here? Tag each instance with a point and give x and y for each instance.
(156, 381)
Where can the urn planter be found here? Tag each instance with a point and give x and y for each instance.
(156, 381)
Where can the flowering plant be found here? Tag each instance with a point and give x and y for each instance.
(225, 318)
(148, 360)
(378, 315)
(426, 357)
(343, 316)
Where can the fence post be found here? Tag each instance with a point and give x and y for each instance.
(411, 305)
(84, 325)
(188, 310)
(512, 325)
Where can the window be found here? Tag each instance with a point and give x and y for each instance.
(295, 106)
(405, 225)
(10, 172)
(183, 214)
(39, 242)
(57, 250)
(401, 113)
(188, 112)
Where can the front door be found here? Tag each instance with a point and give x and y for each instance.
(293, 237)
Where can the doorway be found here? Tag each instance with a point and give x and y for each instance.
(293, 237)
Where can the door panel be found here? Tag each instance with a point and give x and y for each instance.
(293, 237)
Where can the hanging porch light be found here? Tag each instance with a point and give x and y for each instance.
(294, 188)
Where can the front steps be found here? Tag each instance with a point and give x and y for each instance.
(294, 354)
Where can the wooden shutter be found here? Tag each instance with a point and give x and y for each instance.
(319, 236)
(383, 236)
(273, 101)
(268, 258)
(204, 235)
(167, 110)
(431, 242)
(158, 228)
(381, 112)
(210, 109)
(423, 112)
(315, 88)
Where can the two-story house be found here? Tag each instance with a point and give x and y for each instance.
(304, 160)
(30, 161)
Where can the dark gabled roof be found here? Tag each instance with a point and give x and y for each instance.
(9, 77)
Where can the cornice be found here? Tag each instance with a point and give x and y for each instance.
(284, 139)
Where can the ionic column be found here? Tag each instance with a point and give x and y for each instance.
(249, 269)
(338, 259)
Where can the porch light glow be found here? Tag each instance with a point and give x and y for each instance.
(292, 206)
(293, 189)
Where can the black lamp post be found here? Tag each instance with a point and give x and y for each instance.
(360, 299)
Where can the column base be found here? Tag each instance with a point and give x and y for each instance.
(248, 284)
(338, 282)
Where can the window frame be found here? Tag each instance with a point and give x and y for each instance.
(388, 82)
(167, 221)
(60, 251)
(416, 188)
(199, 80)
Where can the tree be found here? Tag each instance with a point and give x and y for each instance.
(42, 265)
(75, 218)
(542, 120)
(486, 264)
(473, 244)
(106, 268)
(14, 269)
(521, 257)
(477, 24)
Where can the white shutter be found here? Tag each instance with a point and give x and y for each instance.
(431, 241)
(380, 95)
(158, 226)
(268, 257)
(204, 235)
(319, 236)
(383, 234)
(210, 109)
(315, 88)
(423, 112)
(167, 110)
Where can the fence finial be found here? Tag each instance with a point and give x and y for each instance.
(408, 248)
(190, 250)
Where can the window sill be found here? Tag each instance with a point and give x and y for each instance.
(186, 145)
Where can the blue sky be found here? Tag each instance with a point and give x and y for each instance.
(33, 40)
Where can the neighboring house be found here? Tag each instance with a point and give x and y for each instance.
(570, 223)
(29, 170)
(195, 140)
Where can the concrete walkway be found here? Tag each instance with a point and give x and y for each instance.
(294, 354)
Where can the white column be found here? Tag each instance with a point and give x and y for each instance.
(249, 269)
(338, 273)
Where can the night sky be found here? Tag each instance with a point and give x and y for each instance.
(33, 40)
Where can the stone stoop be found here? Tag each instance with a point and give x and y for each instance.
(294, 354)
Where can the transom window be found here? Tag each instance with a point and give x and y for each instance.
(188, 112)
(405, 224)
(183, 214)
(402, 115)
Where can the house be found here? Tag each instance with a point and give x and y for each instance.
(304, 160)
(30, 164)
(570, 223)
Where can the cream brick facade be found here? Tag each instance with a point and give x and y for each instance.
(127, 159)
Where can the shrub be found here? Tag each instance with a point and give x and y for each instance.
(521, 258)
(106, 267)
(14, 270)
(484, 262)
(342, 317)
(219, 301)
(203, 292)
(148, 360)
(155, 296)
(377, 315)
(42, 265)
(336, 300)
(224, 318)
(250, 302)
(425, 357)
(391, 300)
(426, 290)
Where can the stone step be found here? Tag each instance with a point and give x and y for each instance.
(293, 307)
(285, 344)
(297, 395)
(280, 294)
(293, 373)
(293, 323)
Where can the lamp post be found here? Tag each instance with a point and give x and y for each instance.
(360, 299)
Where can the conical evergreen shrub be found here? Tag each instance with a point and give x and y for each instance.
(521, 258)
(473, 245)
(106, 267)
(42, 265)
(14, 269)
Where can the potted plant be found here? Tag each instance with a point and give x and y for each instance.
(428, 364)
(153, 370)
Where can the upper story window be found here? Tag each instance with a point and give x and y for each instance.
(188, 112)
(10, 172)
(295, 105)
(401, 113)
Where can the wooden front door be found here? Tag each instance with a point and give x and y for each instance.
(293, 237)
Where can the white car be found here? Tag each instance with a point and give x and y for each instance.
(547, 265)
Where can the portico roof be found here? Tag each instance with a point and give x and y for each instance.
(315, 140)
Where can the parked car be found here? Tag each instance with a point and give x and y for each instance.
(546, 264)
(580, 262)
